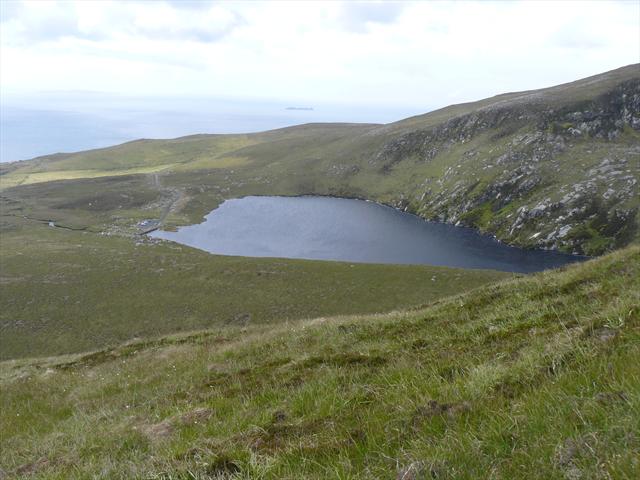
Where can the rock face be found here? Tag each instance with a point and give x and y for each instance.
(530, 171)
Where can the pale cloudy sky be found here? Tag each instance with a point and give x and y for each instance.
(375, 53)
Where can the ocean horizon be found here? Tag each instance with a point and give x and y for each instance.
(72, 122)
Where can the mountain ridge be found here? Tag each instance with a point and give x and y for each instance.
(556, 168)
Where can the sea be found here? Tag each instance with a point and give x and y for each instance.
(46, 123)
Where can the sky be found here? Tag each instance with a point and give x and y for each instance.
(368, 53)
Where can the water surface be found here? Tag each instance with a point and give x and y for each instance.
(325, 228)
(68, 122)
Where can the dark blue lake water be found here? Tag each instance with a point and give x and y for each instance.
(324, 228)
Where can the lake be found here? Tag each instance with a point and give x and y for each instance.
(326, 228)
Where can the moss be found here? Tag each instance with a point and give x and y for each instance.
(597, 245)
(480, 216)
(591, 241)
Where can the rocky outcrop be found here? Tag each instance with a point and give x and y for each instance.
(533, 175)
(424, 145)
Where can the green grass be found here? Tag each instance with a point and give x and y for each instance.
(68, 291)
(42, 177)
(141, 154)
(480, 216)
(535, 377)
(442, 165)
(238, 367)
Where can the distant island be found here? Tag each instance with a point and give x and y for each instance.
(299, 108)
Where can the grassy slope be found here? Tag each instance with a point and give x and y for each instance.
(187, 177)
(192, 149)
(531, 378)
(370, 161)
(68, 291)
(580, 90)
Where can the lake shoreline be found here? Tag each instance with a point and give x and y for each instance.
(382, 237)
(397, 209)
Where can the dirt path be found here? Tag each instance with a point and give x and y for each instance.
(176, 202)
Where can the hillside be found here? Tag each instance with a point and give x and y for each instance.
(534, 377)
(553, 168)
(68, 291)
